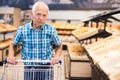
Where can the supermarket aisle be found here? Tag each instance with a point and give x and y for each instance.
(63, 53)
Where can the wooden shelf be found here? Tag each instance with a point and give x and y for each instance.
(73, 61)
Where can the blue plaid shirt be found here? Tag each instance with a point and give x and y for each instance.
(37, 44)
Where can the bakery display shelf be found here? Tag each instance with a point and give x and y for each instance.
(68, 38)
(84, 32)
(4, 49)
(72, 72)
(115, 76)
(61, 26)
(67, 29)
(7, 31)
(97, 72)
(4, 44)
(105, 48)
(98, 19)
(75, 49)
(99, 34)
(64, 32)
(104, 56)
(76, 58)
(7, 35)
(5, 28)
(3, 35)
(110, 65)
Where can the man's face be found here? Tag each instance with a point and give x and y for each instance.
(40, 16)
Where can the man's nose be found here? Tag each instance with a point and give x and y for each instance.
(41, 17)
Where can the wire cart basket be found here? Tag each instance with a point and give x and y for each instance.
(38, 71)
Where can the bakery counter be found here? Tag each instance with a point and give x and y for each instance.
(4, 49)
(77, 65)
(107, 69)
(5, 28)
(69, 39)
(96, 72)
(104, 56)
(84, 32)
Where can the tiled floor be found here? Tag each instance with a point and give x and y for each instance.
(18, 57)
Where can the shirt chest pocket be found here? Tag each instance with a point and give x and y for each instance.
(47, 37)
(27, 40)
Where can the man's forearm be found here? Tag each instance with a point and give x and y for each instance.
(58, 51)
(11, 50)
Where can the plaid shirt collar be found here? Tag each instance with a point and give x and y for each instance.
(31, 27)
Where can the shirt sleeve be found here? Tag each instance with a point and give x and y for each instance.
(18, 36)
(55, 38)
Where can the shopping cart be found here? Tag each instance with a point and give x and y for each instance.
(38, 71)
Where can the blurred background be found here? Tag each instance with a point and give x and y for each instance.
(64, 4)
(89, 31)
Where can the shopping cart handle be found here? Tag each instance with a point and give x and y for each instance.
(5, 61)
(60, 61)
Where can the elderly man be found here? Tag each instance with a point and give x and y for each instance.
(37, 40)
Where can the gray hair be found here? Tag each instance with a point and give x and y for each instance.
(39, 3)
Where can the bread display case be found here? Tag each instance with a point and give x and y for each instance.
(68, 39)
(84, 32)
(64, 29)
(4, 48)
(6, 38)
(105, 55)
(100, 58)
(76, 58)
(104, 48)
(104, 52)
(115, 76)
(65, 32)
(7, 31)
(7, 28)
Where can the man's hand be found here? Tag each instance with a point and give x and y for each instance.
(11, 60)
(54, 61)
